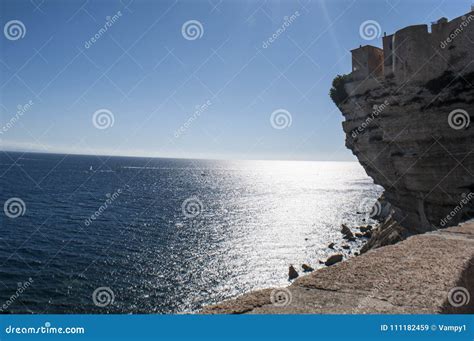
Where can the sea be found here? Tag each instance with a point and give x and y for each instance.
(101, 234)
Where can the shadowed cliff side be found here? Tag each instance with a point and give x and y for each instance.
(425, 166)
(410, 126)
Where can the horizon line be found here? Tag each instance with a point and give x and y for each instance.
(168, 157)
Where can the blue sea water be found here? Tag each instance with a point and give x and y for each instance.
(164, 235)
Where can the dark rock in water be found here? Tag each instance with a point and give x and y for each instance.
(365, 228)
(346, 247)
(368, 234)
(351, 239)
(358, 235)
(292, 273)
(321, 261)
(307, 268)
(392, 274)
(306, 239)
(356, 253)
(346, 232)
(334, 259)
(331, 245)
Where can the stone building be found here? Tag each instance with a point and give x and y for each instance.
(416, 53)
(367, 61)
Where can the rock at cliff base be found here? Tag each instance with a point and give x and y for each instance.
(307, 268)
(292, 273)
(415, 276)
(333, 259)
(358, 235)
(365, 228)
(347, 232)
(331, 245)
(388, 233)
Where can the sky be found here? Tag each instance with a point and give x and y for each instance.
(187, 79)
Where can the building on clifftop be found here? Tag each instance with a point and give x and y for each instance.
(415, 53)
(367, 61)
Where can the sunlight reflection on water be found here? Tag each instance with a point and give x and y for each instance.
(255, 219)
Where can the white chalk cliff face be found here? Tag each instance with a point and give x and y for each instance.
(415, 137)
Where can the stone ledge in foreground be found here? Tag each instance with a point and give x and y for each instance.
(411, 277)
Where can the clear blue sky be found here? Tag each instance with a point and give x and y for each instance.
(151, 78)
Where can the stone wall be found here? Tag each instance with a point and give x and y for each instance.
(412, 52)
(420, 55)
(367, 61)
(415, 54)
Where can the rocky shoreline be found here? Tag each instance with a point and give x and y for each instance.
(388, 280)
(386, 232)
(383, 233)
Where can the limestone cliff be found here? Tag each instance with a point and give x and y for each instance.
(409, 148)
(414, 135)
